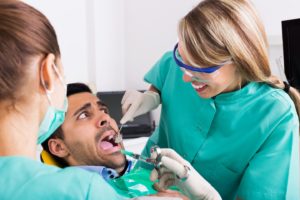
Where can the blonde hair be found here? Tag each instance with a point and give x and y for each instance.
(216, 31)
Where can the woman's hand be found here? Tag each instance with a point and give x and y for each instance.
(135, 103)
(174, 170)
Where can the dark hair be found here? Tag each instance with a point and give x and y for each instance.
(75, 88)
(72, 88)
(24, 33)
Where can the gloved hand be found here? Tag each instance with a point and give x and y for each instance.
(174, 170)
(135, 103)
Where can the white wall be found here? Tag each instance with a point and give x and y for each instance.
(273, 12)
(109, 40)
(70, 23)
(150, 30)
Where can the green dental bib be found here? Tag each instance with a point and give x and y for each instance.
(135, 183)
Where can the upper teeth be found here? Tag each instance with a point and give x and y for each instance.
(110, 137)
(198, 86)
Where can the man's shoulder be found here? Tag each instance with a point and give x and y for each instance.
(34, 180)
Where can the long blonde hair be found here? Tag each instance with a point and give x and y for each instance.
(216, 31)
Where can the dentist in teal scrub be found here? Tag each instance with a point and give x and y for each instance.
(235, 123)
(32, 106)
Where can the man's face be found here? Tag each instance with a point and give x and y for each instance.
(89, 131)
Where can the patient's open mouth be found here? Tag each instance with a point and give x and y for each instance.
(107, 142)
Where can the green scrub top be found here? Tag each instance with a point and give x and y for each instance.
(245, 143)
(26, 179)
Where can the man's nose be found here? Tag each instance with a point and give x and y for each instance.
(103, 120)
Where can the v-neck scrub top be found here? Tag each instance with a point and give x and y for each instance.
(25, 179)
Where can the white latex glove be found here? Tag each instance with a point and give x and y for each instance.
(135, 103)
(174, 170)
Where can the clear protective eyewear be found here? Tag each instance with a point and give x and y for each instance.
(195, 73)
(205, 78)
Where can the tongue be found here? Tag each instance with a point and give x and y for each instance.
(106, 145)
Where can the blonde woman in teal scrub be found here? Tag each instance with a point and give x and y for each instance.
(234, 122)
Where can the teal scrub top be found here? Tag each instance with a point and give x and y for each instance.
(26, 179)
(245, 143)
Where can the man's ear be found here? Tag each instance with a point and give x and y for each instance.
(58, 148)
(47, 73)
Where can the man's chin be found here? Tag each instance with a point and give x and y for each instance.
(111, 151)
(119, 166)
(117, 160)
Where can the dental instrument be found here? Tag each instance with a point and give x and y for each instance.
(119, 138)
(139, 157)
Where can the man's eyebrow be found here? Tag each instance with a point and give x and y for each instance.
(101, 103)
(85, 106)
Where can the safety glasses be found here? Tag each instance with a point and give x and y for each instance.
(178, 61)
(203, 78)
(196, 73)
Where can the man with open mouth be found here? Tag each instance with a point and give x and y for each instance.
(86, 139)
